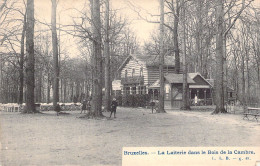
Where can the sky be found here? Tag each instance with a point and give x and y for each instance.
(66, 9)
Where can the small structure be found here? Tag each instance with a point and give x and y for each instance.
(202, 89)
(173, 89)
(231, 96)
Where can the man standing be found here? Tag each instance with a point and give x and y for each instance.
(84, 106)
(113, 107)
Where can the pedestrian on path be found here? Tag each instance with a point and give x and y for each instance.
(114, 105)
(84, 106)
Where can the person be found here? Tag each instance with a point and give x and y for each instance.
(89, 105)
(196, 100)
(84, 106)
(113, 107)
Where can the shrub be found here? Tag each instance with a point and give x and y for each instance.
(135, 100)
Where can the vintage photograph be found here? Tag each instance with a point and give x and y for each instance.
(80, 80)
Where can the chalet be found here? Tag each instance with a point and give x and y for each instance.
(138, 72)
(140, 75)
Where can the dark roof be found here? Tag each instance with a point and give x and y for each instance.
(149, 60)
(172, 78)
(153, 60)
(177, 78)
(193, 75)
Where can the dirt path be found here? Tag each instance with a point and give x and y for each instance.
(67, 140)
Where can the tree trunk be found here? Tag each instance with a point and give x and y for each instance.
(97, 58)
(248, 76)
(175, 38)
(243, 82)
(30, 80)
(21, 74)
(65, 90)
(219, 94)
(161, 64)
(107, 56)
(225, 70)
(48, 87)
(55, 56)
(1, 81)
(185, 88)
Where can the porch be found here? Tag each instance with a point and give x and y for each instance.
(203, 94)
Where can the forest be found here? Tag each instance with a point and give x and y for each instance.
(219, 39)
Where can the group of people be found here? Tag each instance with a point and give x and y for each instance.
(86, 105)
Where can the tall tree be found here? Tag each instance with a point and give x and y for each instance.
(30, 80)
(221, 35)
(21, 63)
(161, 64)
(107, 60)
(175, 37)
(55, 56)
(219, 94)
(97, 60)
(185, 88)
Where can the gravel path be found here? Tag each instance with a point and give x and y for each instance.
(47, 139)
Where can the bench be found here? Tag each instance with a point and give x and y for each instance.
(251, 111)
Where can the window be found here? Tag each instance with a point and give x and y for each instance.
(125, 73)
(133, 72)
(141, 71)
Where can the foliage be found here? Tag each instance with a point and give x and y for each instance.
(135, 100)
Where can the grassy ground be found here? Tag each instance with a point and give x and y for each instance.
(47, 139)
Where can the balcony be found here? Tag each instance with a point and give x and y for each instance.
(133, 80)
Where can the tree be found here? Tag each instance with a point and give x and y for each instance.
(161, 64)
(185, 88)
(107, 59)
(21, 63)
(175, 11)
(220, 38)
(55, 56)
(97, 60)
(219, 94)
(30, 80)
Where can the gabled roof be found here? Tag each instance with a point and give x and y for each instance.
(154, 60)
(149, 60)
(173, 79)
(193, 75)
(156, 84)
(177, 78)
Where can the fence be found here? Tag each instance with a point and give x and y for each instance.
(13, 107)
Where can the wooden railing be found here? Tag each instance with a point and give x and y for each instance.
(13, 107)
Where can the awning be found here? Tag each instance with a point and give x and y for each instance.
(155, 85)
(199, 87)
(177, 79)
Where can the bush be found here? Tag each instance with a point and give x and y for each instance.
(119, 100)
(135, 100)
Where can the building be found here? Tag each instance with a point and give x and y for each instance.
(140, 75)
(202, 89)
(173, 89)
(139, 72)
